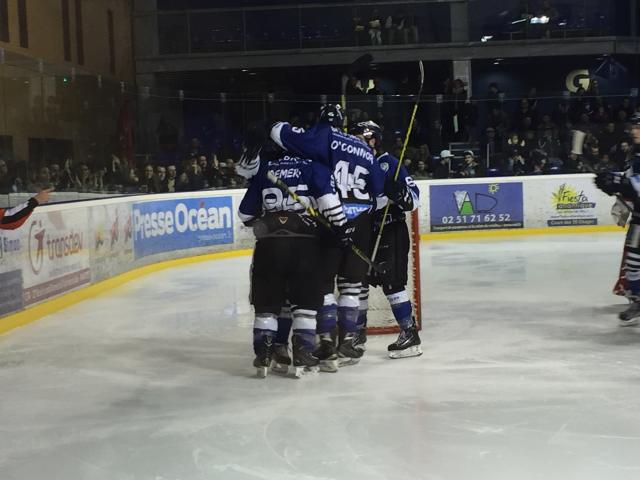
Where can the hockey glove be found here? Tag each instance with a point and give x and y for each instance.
(343, 234)
(399, 194)
(612, 183)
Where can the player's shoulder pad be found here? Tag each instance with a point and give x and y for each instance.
(388, 162)
(352, 145)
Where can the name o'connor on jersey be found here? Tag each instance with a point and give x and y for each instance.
(180, 220)
(350, 148)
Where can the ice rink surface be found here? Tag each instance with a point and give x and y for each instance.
(525, 375)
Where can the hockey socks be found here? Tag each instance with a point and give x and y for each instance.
(265, 325)
(304, 328)
(327, 317)
(348, 305)
(284, 326)
(362, 309)
(401, 308)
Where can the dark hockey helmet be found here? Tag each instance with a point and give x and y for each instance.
(635, 119)
(368, 130)
(332, 114)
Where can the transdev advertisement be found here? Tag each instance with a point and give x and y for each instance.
(169, 225)
(57, 257)
(475, 206)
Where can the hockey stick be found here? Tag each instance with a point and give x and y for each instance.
(400, 160)
(321, 220)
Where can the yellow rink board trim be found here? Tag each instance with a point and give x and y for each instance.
(518, 232)
(48, 307)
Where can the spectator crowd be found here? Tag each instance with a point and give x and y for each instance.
(456, 137)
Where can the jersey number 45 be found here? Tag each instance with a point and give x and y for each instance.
(351, 185)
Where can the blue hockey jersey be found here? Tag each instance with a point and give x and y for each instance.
(359, 179)
(311, 181)
(411, 194)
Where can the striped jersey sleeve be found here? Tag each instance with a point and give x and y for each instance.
(12, 218)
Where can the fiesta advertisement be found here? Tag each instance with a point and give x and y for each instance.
(571, 203)
(179, 224)
(57, 258)
(481, 206)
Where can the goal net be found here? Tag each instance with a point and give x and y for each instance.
(380, 316)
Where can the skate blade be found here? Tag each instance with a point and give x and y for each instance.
(261, 372)
(279, 368)
(414, 351)
(628, 323)
(328, 366)
(302, 372)
(347, 361)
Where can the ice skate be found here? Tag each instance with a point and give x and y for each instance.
(348, 353)
(304, 361)
(327, 354)
(361, 340)
(280, 359)
(263, 356)
(407, 345)
(629, 317)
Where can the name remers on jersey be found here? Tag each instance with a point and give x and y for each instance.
(311, 181)
(359, 179)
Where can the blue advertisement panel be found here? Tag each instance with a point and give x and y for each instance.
(11, 292)
(169, 225)
(479, 206)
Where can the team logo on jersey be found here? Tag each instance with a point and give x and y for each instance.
(384, 166)
(283, 220)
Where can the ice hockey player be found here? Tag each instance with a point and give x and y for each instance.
(394, 248)
(12, 218)
(360, 184)
(627, 186)
(287, 254)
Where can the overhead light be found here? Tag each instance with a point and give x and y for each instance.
(562, 23)
(486, 38)
(519, 21)
(541, 20)
(245, 69)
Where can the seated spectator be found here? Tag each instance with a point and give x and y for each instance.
(149, 183)
(183, 183)
(517, 165)
(592, 156)
(408, 164)
(443, 167)
(115, 177)
(470, 167)
(172, 177)
(216, 177)
(84, 179)
(608, 138)
(375, 27)
(359, 30)
(6, 182)
(161, 179)
(132, 183)
(622, 155)
(604, 164)
(421, 171)
(540, 166)
(203, 163)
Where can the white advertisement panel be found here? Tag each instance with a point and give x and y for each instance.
(565, 201)
(111, 239)
(57, 253)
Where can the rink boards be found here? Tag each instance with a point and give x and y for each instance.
(66, 247)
